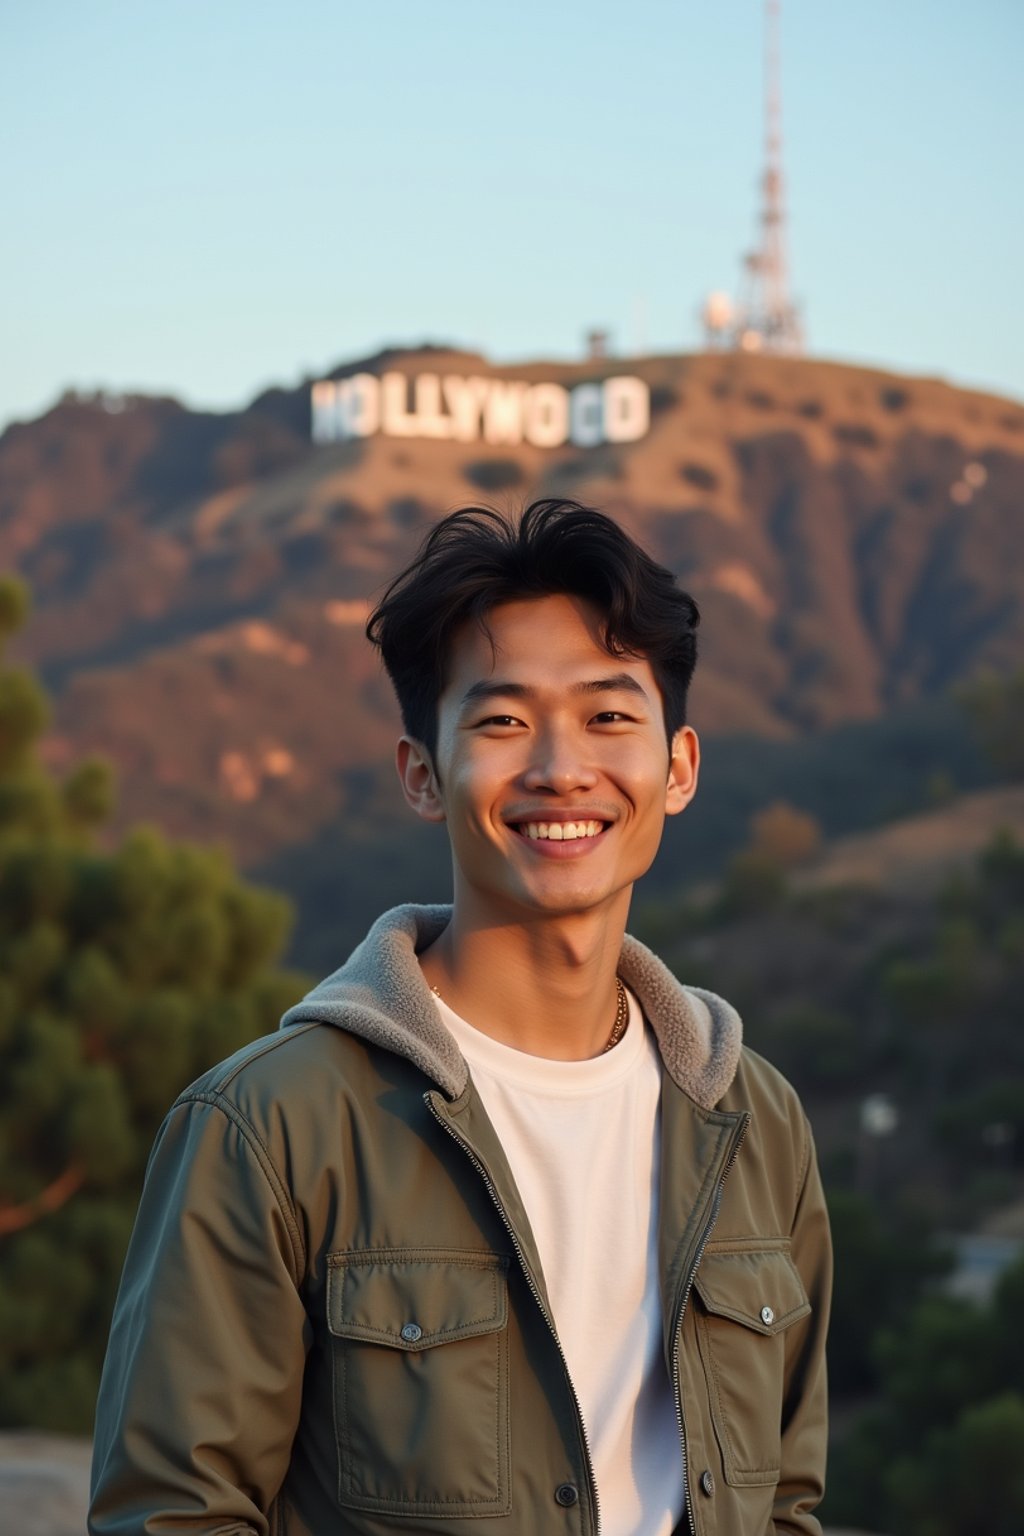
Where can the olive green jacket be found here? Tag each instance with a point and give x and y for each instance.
(333, 1318)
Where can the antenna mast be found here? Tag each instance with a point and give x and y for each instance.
(770, 321)
(766, 319)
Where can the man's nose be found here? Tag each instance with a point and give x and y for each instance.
(560, 764)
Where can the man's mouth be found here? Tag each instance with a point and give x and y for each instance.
(559, 831)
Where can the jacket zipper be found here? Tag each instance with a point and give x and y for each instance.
(705, 1235)
(496, 1198)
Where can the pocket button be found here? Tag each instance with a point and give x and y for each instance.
(767, 1316)
(411, 1332)
(707, 1483)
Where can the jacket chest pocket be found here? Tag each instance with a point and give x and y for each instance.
(749, 1297)
(419, 1345)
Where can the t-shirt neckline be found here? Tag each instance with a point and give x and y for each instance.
(543, 1074)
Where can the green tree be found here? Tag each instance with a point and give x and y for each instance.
(968, 1478)
(124, 973)
(754, 883)
(784, 834)
(881, 1263)
(943, 1450)
(781, 837)
(995, 707)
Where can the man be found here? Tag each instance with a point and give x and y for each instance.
(503, 1231)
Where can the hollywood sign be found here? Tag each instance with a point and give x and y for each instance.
(466, 410)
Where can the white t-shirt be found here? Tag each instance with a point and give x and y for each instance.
(582, 1140)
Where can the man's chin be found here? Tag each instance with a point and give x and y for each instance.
(578, 902)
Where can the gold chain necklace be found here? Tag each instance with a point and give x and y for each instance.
(621, 1015)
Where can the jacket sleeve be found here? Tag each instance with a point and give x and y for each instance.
(805, 1401)
(203, 1377)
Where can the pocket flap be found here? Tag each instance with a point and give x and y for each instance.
(413, 1299)
(759, 1287)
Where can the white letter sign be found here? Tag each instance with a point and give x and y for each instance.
(627, 409)
(547, 416)
(616, 410)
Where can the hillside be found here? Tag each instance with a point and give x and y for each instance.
(201, 580)
(918, 854)
(881, 971)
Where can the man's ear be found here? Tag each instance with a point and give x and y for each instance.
(683, 768)
(419, 779)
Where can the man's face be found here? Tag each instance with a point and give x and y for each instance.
(553, 772)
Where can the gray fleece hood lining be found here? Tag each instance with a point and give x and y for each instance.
(380, 994)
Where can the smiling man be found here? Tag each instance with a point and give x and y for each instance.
(505, 1230)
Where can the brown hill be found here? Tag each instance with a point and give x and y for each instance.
(916, 855)
(201, 580)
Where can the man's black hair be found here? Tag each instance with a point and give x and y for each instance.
(476, 558)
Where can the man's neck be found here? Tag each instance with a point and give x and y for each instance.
(546, 986)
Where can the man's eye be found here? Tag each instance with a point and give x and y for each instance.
(610, 717)
(500, 720)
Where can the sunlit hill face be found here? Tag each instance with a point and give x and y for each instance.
(553, 772)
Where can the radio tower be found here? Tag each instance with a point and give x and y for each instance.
(766, 319)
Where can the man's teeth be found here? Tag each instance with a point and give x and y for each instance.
(561, 831)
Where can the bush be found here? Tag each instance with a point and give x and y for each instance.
(700, 476)
(944, 1452)
(854, 435)
(995, 708)
(494, 474)
(969, 1477)
(784, 834)
(820, 1048)
(754, 882)
(881, 1262)
(893, 399)
(663, 398)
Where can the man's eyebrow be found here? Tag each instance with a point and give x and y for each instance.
(498, 690)
(618, 682)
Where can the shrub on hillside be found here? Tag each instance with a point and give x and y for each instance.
(785, 834)
(887, 1256)
(854, 434)
(699, 475)
(664, 398)
(892, 398)
(494, 474)
(943, 1452)
(994, 706)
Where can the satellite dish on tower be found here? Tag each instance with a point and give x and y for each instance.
(718, 315)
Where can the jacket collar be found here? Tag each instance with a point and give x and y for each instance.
(380, 994)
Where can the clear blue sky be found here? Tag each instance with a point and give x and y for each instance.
(206, 196)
